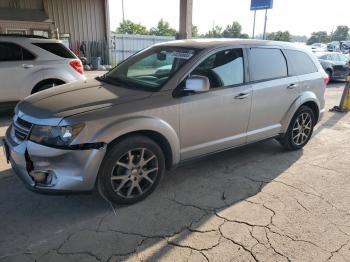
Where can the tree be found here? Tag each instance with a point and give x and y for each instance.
(129, 27)
(279, 36)
(233, 31)
(216, 32)
(195, 31)
(244, 36)
(163, 29)
(341, 33)
(299, 38)
(318, 37)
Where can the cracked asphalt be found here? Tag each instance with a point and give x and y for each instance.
(258, 203)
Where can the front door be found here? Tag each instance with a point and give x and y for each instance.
(217, 119)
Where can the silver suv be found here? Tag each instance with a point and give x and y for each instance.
(165, 105)
(32, 64)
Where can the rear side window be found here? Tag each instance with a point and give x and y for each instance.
(267, 63)
(56, 49)
(14, 52)
(301, 63)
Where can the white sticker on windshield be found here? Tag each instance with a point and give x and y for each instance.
(182, 55)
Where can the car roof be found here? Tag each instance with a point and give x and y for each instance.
(21, 39)
(218, 42)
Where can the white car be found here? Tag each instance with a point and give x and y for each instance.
(32, 64)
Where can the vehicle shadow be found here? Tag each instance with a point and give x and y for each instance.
(186, 197)
(5, 118)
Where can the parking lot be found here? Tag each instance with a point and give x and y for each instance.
(258, 203)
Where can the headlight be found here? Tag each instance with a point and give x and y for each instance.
(55, 135)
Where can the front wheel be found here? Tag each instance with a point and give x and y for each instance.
(300, 129)
(131, 170)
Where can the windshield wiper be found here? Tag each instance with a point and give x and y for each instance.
(110, 80)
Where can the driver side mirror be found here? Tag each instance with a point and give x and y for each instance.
(197, 84)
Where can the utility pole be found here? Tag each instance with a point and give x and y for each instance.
(264, 36)
(123, 11)
(254, 24)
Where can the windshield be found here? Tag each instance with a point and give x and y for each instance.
(151, 68)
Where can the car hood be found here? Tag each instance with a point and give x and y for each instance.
(49, 107)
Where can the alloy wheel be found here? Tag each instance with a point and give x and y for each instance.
(134, 173)
(302, 129)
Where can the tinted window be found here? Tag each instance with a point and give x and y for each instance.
(267, 64)
(224, 68)
(301, 63)
(13, 52)
(56, 49)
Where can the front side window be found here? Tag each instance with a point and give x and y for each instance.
(13, 52)
(150, 69)
(224, 68)
(267, 63)
(301, 63)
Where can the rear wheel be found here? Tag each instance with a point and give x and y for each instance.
(131, 170)
(300, 129)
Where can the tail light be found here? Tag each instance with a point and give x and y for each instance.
(326, 79)
(77, 66)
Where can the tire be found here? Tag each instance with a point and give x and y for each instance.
(124, 181)
(44, 87)
(299, 131)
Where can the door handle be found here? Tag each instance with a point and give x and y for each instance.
(242, 96)
(292, 86)
(27, 66)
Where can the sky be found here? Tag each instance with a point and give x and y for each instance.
(299, 17)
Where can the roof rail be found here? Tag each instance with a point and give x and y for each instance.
(24, 36)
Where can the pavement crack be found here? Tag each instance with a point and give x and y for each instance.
(337, 250)
(274, 249)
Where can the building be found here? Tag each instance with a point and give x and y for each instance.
(82, 25)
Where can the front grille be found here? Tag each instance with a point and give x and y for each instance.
(24, 123)
(21, 128)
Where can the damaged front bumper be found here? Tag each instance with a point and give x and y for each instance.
(46, 169)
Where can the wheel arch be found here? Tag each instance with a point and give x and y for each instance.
(47, 81)
(307, 99)
(156, 129)
(156, 137)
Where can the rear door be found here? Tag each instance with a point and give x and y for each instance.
(16, 65)
(274, 91)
